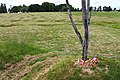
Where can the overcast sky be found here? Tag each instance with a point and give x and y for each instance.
(75, 3)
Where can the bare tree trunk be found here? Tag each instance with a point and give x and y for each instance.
(86, 23)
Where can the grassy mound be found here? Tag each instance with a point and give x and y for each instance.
(105, 69)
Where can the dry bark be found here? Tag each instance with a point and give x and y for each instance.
(86, 23)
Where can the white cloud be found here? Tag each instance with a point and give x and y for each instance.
(75, 3)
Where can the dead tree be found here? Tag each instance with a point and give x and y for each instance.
(86, 15)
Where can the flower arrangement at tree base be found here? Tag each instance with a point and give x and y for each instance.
(88, 63)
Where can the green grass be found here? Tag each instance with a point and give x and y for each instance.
(65, 70)
(52, 34)
(12, 52)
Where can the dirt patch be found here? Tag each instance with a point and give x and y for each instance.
(48, 65)
(89, 71)
(22, 68)
(19, 68)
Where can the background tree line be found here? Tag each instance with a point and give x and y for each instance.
(105, 8)
(48, 7)
(45, 7)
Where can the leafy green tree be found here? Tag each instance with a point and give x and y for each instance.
(95, 8)
(34, 8)
(45, 6)
(15, 9)
(56, 8)
(90, 8)
(105, 8)
(51, 7)
(24, 9)
(99, 9)
(3, 8)
(110, 9)
(48, 7)
(114, 9)
(63, 8)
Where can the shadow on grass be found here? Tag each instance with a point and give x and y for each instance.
(10, 25)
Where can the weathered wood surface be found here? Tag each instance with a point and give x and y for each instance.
(86, 23)
(73, 24)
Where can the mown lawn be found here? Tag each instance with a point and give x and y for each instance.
(47, 33)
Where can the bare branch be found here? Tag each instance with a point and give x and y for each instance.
(88, 5)
(90, 15)
(88, 9)
(73, 24)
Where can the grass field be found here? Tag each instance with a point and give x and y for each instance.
(43, 46)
